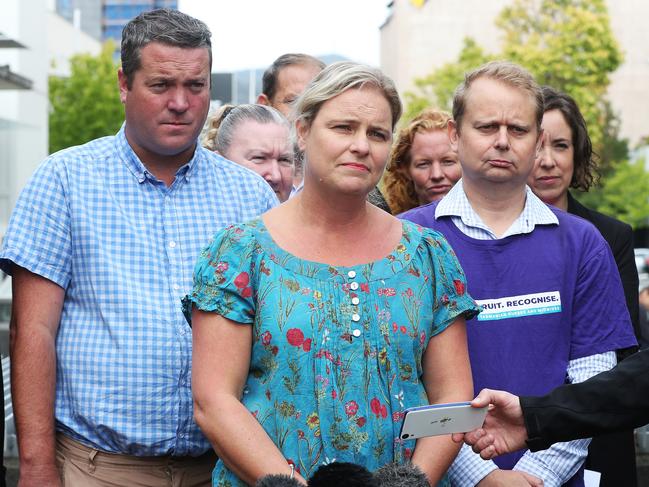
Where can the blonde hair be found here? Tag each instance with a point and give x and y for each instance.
(399, 188)
(339, 77)
(222, 125)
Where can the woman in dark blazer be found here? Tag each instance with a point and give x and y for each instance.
(566, 161)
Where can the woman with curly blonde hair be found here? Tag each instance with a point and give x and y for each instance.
(423, 167)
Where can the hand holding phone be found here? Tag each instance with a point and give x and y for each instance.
(441, 419)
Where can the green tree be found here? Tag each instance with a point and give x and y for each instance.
(568, 44)
(437, 88)
(625, 193)
(86, 104)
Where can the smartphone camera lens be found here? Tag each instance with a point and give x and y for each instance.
(405, 436)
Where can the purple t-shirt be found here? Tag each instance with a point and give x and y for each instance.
(548, 297)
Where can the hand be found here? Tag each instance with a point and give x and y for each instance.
(39, 476)
(644, 298)
(513, 478)
(503, 430)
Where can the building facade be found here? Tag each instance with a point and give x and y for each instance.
(105, 19)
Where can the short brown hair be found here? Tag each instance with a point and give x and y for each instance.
(399, 188)
(271, 75)
(506, 72)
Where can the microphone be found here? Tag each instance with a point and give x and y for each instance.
(342, 474)
(278, 480)
(400, 475)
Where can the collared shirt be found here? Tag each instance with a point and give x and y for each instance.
(559, 463)
(95, 221)
(456, 205)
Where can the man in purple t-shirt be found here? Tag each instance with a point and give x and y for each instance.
(553, 305)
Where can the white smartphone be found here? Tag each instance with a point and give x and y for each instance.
(441, 419)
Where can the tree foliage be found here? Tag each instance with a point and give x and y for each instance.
(437, 88)
(570, 45)
(625, 192)
(86, 104)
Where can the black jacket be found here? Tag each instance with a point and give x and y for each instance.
(610, 401)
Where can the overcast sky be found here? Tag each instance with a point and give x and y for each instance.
(252, 33)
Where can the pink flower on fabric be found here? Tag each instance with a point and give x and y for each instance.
(459, 287)
(242, 280)
(351, 408)
(295, 337)
(375, 406)
(266, 337)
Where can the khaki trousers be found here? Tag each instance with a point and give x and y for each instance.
(82, 466)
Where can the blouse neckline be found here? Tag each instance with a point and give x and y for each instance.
(396, 261)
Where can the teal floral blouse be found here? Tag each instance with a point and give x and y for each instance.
(337, 351)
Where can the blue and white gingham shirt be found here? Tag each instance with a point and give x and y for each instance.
(93, 220)
(559, 463)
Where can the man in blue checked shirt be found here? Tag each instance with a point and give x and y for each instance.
(101, 246)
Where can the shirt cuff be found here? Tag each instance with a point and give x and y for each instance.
(468, 468)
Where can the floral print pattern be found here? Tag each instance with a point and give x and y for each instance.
(337, 351)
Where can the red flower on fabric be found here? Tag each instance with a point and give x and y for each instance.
(334, 394)
(242, 280)
(274, 350)
(459, 287)
(351, 408)
(387, 291)
(266, 338)
(375, 406)
(384, 411)
(295, 337)
(403, 329)
(407, 453)
(361, 422)
(306, 346)
(395, 327)
(246, 292)
(365, 287)
(409, 293)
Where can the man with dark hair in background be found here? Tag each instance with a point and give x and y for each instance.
(285, 80)
(101, 246)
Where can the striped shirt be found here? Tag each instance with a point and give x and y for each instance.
(95, 221)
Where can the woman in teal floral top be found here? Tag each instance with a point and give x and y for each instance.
(316, 325)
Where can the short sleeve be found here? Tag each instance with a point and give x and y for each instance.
(38, 237)
(223, 277)
(450, 296)
(601, 321)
